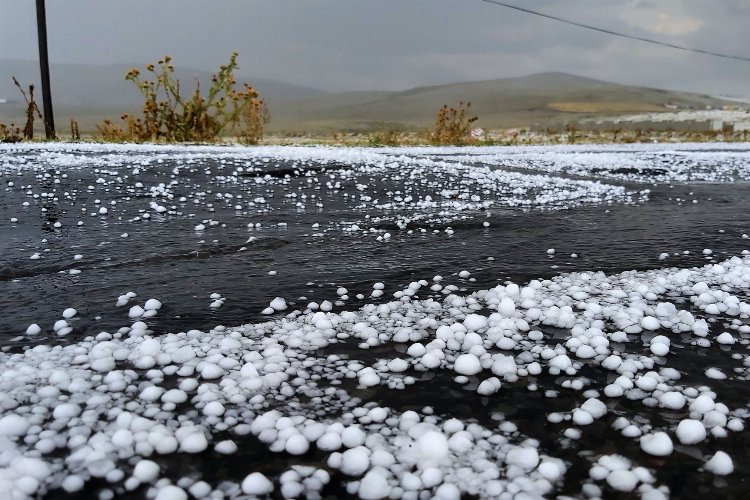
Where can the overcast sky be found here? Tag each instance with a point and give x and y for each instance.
(397, 44)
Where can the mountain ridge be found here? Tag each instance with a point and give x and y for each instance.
(549, 99)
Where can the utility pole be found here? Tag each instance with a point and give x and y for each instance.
(41, 29)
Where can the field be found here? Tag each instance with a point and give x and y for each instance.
(321, 322)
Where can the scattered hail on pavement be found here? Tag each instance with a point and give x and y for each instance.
(105, 407)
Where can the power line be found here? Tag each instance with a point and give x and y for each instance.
(623, 35)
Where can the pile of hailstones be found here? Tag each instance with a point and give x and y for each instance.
(103, 407)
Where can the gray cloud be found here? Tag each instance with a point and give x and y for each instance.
(396, 44)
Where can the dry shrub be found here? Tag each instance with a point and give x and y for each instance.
(572, 133)
(10, 133)
(387, 138)
(134, 130)
(31, 110)
(453, 126)
(255, 117)
(168, 116)
(75, 133)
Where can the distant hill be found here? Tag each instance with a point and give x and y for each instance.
(91, 93)
(105, 85)
(547, 98)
